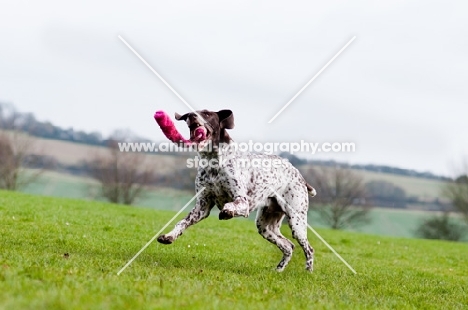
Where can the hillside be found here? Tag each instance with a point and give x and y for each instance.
(71, 146)
(418, 193)
(72, 154)
(199, 270)
(65, 150)
(389, 222)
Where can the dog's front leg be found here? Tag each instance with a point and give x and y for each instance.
(239, 207)
(201, 211)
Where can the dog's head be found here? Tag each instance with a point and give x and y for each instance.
(213, 125)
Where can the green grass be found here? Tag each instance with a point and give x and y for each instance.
(64, 185)
(390, 222)
(57, 184)
(387, 222)
(214, 265)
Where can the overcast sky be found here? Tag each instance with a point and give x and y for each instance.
(399, 91)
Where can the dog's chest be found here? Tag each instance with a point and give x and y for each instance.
(217, 181)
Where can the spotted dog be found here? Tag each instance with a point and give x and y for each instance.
(237, 190)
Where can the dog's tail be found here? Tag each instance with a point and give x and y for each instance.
(312, 192)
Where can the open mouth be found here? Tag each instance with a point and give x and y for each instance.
(199, 134)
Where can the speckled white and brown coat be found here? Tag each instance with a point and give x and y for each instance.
(237, 189)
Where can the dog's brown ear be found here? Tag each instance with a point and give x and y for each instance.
(181, 117)
(226, 119)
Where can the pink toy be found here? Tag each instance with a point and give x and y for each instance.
(169, 130)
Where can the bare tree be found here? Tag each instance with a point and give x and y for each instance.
(180, 178)
(16, 154)
(341, 199)
(122, 176)
(457, 192)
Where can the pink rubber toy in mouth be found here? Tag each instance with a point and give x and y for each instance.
(170, 131)
(200, 134)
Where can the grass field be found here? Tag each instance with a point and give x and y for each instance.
(214, 265)
(389, 222)
(69, 186)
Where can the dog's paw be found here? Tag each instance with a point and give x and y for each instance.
(226, 214)
(165, 239)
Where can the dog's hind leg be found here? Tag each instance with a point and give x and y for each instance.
(298, 225)
(296, 205)
(201, 211)
(268, 222)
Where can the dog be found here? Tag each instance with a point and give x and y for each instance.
(275, 192)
